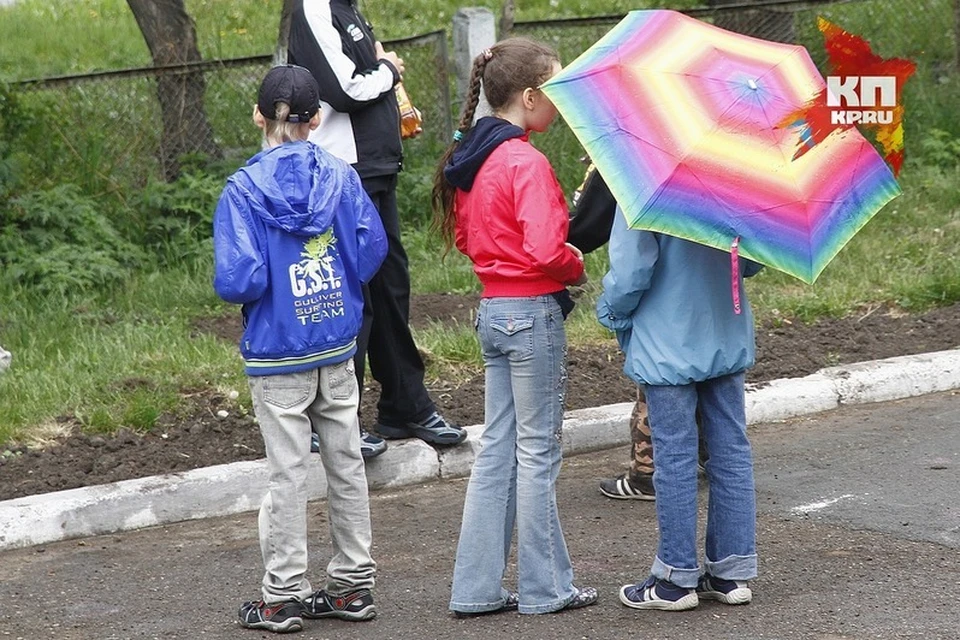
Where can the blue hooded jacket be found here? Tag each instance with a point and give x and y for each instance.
(671, 304)
(294, 237)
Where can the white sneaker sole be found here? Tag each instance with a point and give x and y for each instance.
(737, 596)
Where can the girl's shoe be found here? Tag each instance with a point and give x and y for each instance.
(654, 593)
(584, 597)
(725, 591)
(511, 603)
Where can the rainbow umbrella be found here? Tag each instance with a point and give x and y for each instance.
(682, 120)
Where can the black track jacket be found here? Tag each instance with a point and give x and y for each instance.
(360, 120)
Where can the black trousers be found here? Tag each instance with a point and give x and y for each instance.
(385, 336)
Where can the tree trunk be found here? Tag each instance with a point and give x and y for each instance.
(283, 38)
(769, 24)
(172, 39)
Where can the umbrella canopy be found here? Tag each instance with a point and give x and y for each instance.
(682, 120)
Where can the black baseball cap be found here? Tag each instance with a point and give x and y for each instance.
(293, 85)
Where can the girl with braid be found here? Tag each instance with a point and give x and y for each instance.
(497, 199)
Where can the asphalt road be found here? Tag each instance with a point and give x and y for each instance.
(859, 529)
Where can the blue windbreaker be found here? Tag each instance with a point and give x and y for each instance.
(294, 236)
(670, 302)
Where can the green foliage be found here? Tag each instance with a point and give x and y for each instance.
(413, 195)
(59, 240)
(23, 133)
(939, 148)
(175, 219)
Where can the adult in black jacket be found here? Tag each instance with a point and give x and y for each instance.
(360, 123)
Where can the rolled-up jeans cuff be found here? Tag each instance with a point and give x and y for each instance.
(686, 578)
(733, 568)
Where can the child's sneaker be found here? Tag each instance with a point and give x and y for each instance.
(623, 488)
(655, 593)
(280, 617)
(356, 605)
(725, 591)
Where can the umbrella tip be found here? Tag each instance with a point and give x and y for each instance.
(752, 84)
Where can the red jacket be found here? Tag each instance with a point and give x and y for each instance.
(513, 224)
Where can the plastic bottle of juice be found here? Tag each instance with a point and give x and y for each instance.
(410, 117)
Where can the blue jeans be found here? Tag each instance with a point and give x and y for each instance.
(731, 548)
(514, 476)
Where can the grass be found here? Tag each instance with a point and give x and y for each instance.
(116, 361)
(122, 358)
(62, 37)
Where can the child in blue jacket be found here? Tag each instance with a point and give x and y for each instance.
(674, 306)
(295, 237)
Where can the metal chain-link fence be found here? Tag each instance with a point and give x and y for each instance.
(112, 125)
(129, 126)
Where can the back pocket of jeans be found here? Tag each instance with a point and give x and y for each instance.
(513, 334)
(288, 390)
(343, 380)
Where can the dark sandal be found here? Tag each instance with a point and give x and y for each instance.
(511, 603)
(584, 597)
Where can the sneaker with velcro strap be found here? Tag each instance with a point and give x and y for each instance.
(355, 605)
(279, 617)
(656, 593)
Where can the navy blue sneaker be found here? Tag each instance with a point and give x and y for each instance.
(654, 593)
(433, 430)
(370, 445)
(725, 591)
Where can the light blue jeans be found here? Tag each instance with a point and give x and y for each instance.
(514, 476)
(731, 548)
(289, 407)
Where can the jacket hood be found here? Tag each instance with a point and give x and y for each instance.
(476, 146)
(297, 187)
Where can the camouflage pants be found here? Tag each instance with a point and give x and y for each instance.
(641, 460)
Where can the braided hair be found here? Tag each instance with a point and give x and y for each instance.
(502, 71)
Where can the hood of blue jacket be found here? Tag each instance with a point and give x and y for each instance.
(477, 145)
(298, 189)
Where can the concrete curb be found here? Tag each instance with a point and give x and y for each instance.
(237, 487)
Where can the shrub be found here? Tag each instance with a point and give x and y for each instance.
(175, 220)
(60, 241)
